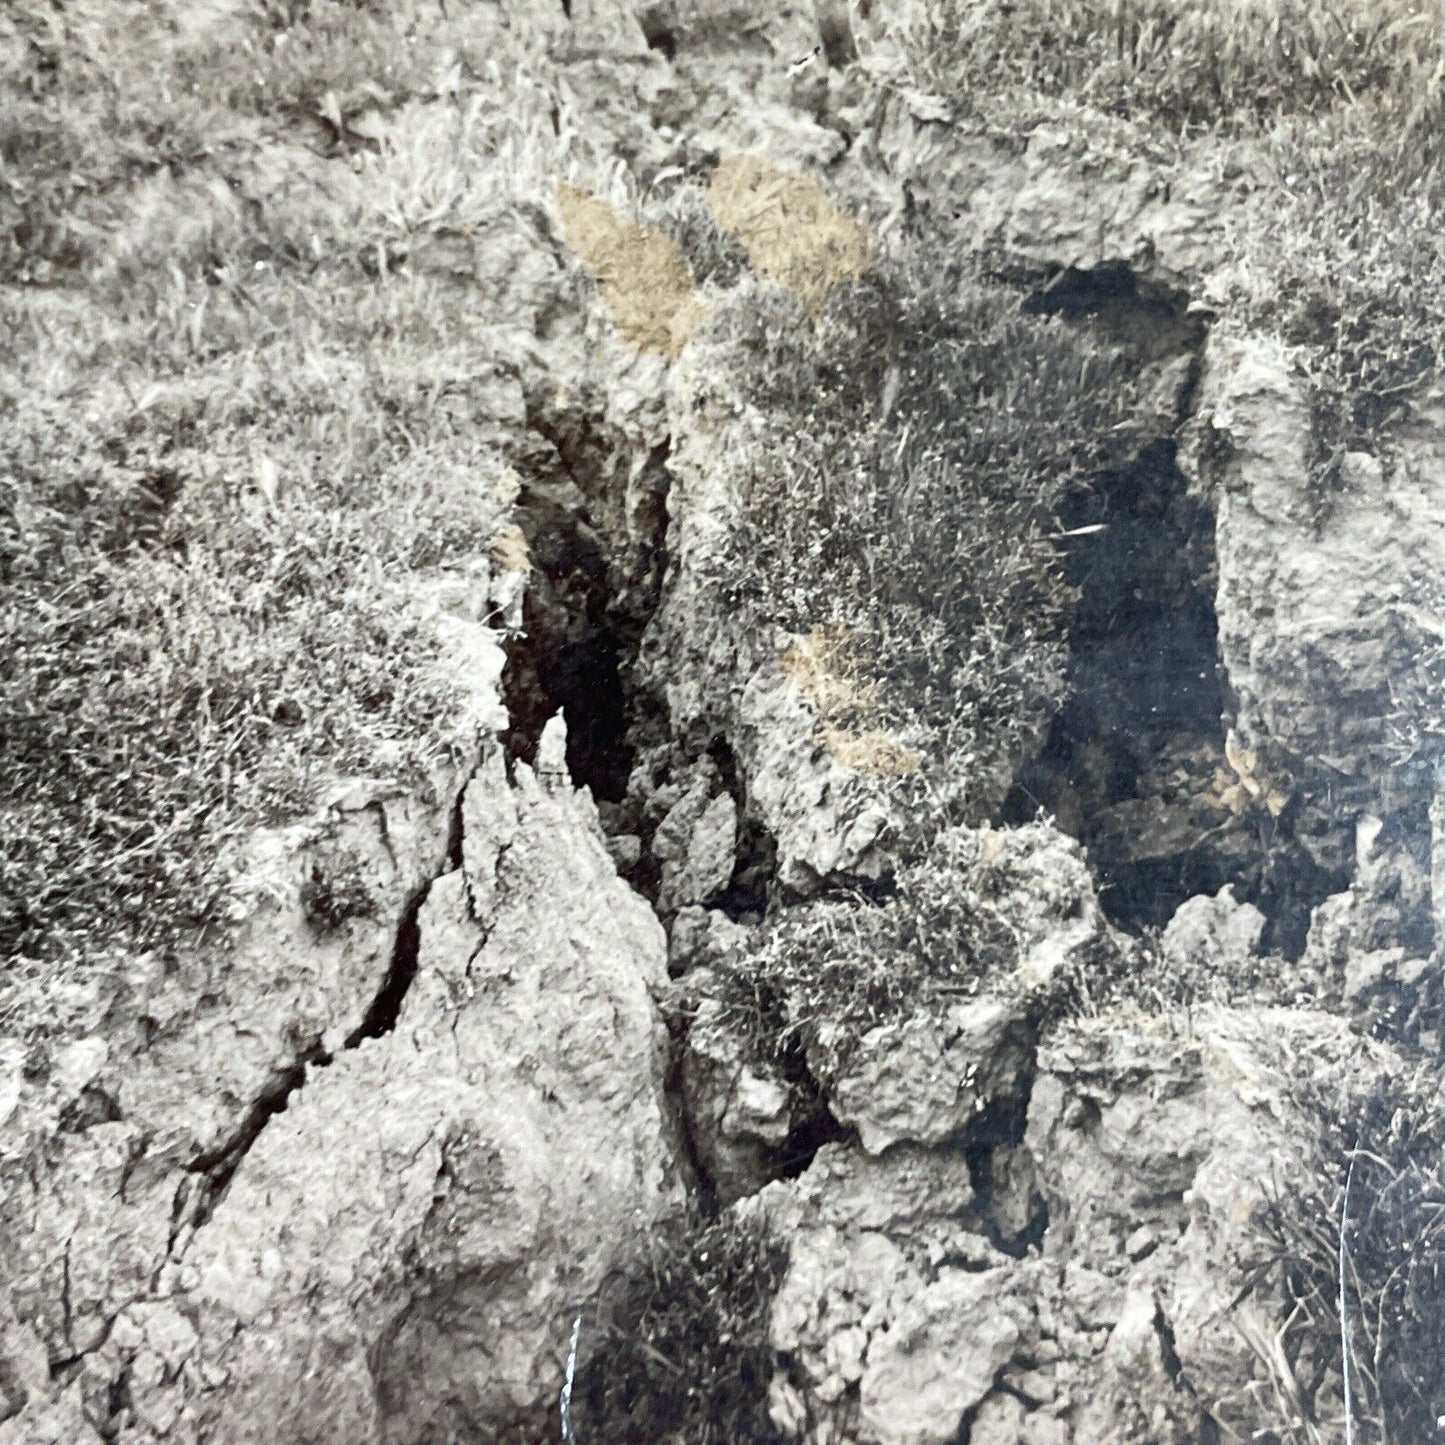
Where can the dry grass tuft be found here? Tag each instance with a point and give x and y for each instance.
(792, 232)
(509, 549)
(869, 750)
(824, 668)
(647, 285)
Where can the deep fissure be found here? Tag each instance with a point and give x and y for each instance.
(218, 1167)
(1135, 764)
(1131, 764)
(595, 521)
(593, 511)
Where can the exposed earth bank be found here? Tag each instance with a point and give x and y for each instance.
(1009, 930)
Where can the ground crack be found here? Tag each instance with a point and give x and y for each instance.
(217, 1167)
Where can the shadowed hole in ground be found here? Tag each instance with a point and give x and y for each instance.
(1135, 765)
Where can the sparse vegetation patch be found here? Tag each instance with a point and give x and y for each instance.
(825, 972)
(675, 1348)
(1371, 1198)
(646, 283)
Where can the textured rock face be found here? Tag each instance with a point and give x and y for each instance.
(352, 1180)
(1218, 933)
(900, 1318)
(740, 1110)
(927, 1079)
(115, 1143)
(720, 673)
(1338, 578)
(422, 1281)
(1067, 200)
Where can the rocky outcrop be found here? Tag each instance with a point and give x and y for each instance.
(1343, 580)
(928, 1077)
(1063, 196)
(405, 1245)
(740, 1109)
(901, 1321)
(119, 1141)
(353, 1172)
(720, 671)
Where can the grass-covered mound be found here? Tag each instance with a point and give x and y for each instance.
(190, 651)
(1326, 120)
(899, 508)
(957, 922)
(237, 440)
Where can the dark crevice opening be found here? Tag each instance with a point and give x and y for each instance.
(751, 889)
(1156, 321)
(385, 1007)
(657, 32)
(1134, 764)
(992, 1143)
(594, 518)
(753, 884)
(835, 30)
(815, 1124)
(582, 678)
(567, 658)
(814, 1127)
(695, 1172)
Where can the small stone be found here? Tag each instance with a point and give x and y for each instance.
(1366, 972)
(552, 751)
(1037, 1386)
(625, 850)
(1142, 1243)
(1045, 1430)
(1412, 971)
(999, 1421)
(687, 941)
(125, 1333)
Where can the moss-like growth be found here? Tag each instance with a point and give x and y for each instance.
(336, 891)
